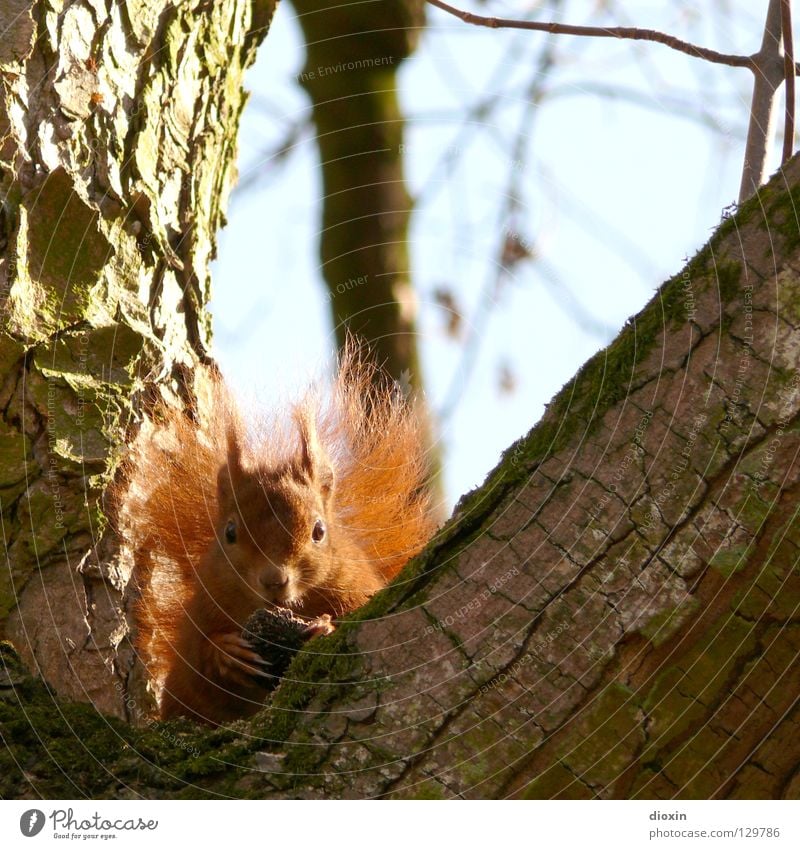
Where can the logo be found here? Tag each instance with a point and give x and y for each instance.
(31, 822)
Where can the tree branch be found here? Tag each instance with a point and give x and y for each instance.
(789, 74)
(769, 74)
(771, 65)
(633, 33)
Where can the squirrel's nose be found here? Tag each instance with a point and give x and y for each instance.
(275, 582)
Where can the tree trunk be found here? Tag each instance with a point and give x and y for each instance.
(118, 130)
(613, 614)
(353, 56)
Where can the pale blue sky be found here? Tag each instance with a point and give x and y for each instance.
(616, 191)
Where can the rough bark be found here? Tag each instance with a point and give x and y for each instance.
(614, 613)
(118, 125)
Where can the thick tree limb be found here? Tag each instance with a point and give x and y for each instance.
(353, 57)
(615, 613)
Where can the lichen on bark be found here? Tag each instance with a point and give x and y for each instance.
(118, 139)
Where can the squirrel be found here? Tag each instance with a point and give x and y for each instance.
(227, 515)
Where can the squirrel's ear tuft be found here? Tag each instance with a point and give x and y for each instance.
(231, 472)
(314, 464)
(325, 479)
(234, 451)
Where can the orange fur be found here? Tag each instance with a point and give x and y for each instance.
(351, 460)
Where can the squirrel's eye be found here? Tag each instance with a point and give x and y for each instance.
(318, 534)
(230, 531)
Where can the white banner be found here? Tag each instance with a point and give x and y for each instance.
(382, 824)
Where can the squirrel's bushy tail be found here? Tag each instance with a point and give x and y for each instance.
(166, 506)
(377, 440)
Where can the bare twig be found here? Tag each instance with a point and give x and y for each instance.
(481, 109)
(635, 33)
(789, 74)
(272, 157)
(773, 64)
(678, 106)
(482, 313)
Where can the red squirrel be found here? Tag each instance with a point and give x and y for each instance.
(227, 516)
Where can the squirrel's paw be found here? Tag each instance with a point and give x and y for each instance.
(236, 660)
(320, 627)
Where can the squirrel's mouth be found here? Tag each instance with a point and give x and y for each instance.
(287, 595)
(293, 599)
